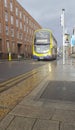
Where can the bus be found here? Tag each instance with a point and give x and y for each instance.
(44, 45)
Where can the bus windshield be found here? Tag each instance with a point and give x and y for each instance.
(42, 37)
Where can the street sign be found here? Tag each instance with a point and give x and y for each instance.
(66, 39)
(73, 40)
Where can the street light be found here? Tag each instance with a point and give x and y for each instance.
(63, 28)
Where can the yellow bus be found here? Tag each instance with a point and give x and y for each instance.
(44, 45)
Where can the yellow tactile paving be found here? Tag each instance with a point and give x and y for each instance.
(3, 112)
(15, 94)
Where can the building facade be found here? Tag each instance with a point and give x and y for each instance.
(17, 27)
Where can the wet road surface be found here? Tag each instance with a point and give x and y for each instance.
(12, 69)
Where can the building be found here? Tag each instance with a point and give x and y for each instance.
(17, 27)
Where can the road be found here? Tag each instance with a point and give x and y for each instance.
(10, 69)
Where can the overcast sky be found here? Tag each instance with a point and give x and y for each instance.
(47, 14)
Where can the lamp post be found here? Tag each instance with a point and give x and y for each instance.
(63, 28)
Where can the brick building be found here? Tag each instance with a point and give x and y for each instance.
(16, 29)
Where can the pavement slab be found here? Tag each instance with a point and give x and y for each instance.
(67, 126)
(64, 115)
(21, 123)
(46, 125)
(6, 121)
(33, 112)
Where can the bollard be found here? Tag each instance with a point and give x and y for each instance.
(9, 56)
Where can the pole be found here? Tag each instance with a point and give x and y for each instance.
(63, 10)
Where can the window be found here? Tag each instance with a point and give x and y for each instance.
(24, 28)
(6, 16)
(0, 28)
(17, 23)
(12, 32)
(17, 34)
(11, 6)
(7, 46)
(7, 30)
(27, 20)
(16, 11)
(12, 20)
(20, 25)
(13, 47)
(20, 36)
(27, 29)
(5, 3)
(20, 15)
(24, 17)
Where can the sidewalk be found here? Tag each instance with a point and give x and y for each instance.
(41, 111)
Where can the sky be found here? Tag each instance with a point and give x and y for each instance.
(47, 14)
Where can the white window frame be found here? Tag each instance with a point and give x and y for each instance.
(0, 27)
(7, 45)
(17, 11)
(12, 32)
(17, 23)
(20, 15)
(24, 17)
(5, 3)
(7, 30)
(13, 46)
(20, 25)
(24, 28)
(6, 16)
(12, 19)
(20, 35)
(11, 6)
